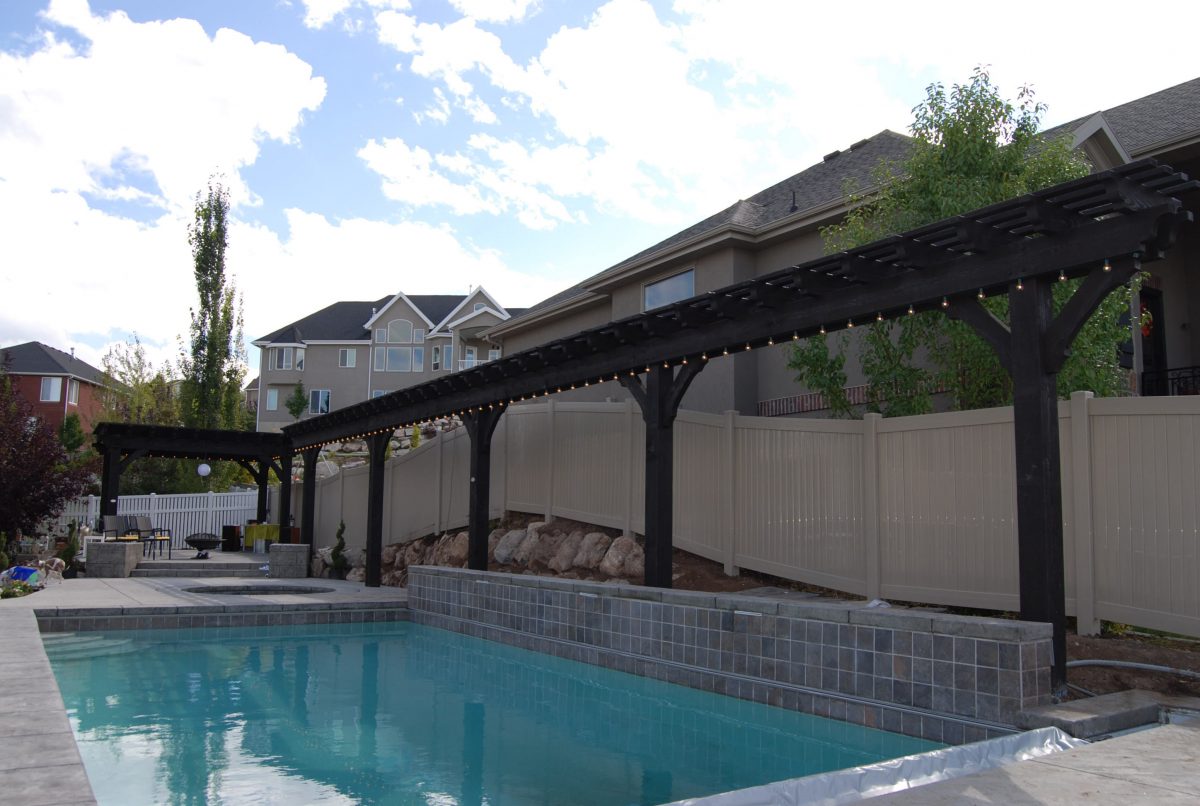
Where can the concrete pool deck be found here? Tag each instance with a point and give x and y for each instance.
(41, 764)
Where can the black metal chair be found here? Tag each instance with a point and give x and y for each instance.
(154, 536)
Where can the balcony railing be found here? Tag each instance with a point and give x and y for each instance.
(1169, 382)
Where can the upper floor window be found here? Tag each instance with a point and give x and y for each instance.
(286, 357)
(670, 289)
(347, 357)
(399, 331)
(51, 390)
(318, 401)
(479, 306)
(436, 358)
(493, 354)
(73, 392)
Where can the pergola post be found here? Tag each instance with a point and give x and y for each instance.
(284, 471)
(308, 500)
(110, 481)
(480, 425)
(262, 473)
(659, 399)
(377, 445)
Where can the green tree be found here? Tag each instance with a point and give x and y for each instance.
(971, 147)
(70, 434)
(214, 366)
(297, 402)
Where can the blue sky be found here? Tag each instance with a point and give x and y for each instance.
(374, 146)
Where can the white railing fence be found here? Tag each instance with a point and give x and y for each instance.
(183, 514)
(912, 509)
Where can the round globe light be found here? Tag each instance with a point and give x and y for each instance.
(203, 470)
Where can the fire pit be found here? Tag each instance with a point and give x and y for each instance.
(203, 543)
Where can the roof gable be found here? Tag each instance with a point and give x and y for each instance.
(474, 296)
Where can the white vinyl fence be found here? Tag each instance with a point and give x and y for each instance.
(913, 508)
(183, 514)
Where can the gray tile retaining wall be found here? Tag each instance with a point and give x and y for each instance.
(951, 679)
(67, 619)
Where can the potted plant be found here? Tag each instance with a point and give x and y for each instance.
(338, 564)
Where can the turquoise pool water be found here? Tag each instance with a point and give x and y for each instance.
(400, 713)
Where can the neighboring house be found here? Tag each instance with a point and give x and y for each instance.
(779, 227)
(250, 395)
(352, 351)
(55, 383)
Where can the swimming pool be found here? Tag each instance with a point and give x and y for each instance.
(402, 713)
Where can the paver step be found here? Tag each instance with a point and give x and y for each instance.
(200, 571)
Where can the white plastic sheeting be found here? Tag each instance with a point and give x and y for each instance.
(859, 783)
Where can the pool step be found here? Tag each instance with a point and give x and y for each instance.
(199, 568)
(69, 646)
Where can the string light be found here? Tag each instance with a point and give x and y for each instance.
(822, 330)
(725, 351)
(945, 302)
(981, 295)
(911, 310)
(879, 316)
(1020, 284)
(849, 323)
(747, 345)
(770, 341)
(1062, 276)
(684, 362)
(666, 365)
(704, 356)
(795, 335)
(1107, 265)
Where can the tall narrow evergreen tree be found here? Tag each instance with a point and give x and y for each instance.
(214, 367)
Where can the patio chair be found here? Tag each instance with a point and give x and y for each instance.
(154, 536)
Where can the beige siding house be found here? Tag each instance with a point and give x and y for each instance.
(779, 227)
(352, 351)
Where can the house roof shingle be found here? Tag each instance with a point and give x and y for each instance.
(1156, 119)
(343, 321)
(35, 358)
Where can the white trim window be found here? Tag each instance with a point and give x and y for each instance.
(272, 400)
(418, 359)
(493, 354)
(479, 306)
(51, 390)
(284, 357)
(347, 357)
(318, 401)
(381, 335)
(377, 393)
(73, 392)
(436, 359)
(669, 289)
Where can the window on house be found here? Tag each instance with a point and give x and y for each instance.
(381, 335)
(418, 335)
(284, 357)
(479, 306)
(436, 358)
(272, 400)
(399, 359)
(347, 357)
(418, 359)
(300, 359)
(73, 392)
(318, 401)
(670, 289)
(493, 355)
(448, 356)
(377, 393)
(51, 389)
(399, 331)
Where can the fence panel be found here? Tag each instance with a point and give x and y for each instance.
(412, 487)
(799, 500)
(590, 465)
(700, 481)
(1145, 514)
(527, 457)
(184, 513)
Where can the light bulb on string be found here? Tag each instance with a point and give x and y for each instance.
(911, 310)
(747, 345)
(1062, 276)
(945, 302)
(879, 316)
(1020, 284)
(1107, 265)
(770, 341)
(981, 295)
(821, 330)
(849, 323)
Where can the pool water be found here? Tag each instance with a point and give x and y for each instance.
(401, 713)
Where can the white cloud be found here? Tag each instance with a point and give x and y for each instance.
(319, 13)
(96, 120)
(496, 10)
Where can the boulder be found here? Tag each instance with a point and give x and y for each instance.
(356, 575)
(623, 555)
(414, 553)
(393, 579)
(389, 553)
(357, 558)
(564, 557)
(544, 548)
(326, 554)
(509, 544)
(592, 550)
(493, 541)
(318, 567)
(456, 550)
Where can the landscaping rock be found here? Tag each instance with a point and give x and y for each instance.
(356, 575)
(493, 541)
(414, 553)
(508, 545)
(456, 550)
(357, 558)
(564, 557)
(622, 551)
(389, 553)
(318, 567)
(592, 550)
(393, 578)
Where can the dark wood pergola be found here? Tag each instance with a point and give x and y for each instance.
(123, 443)
(1101, 228)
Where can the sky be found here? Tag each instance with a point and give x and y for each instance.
(376, 146)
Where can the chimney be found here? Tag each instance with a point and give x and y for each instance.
(72, 352)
